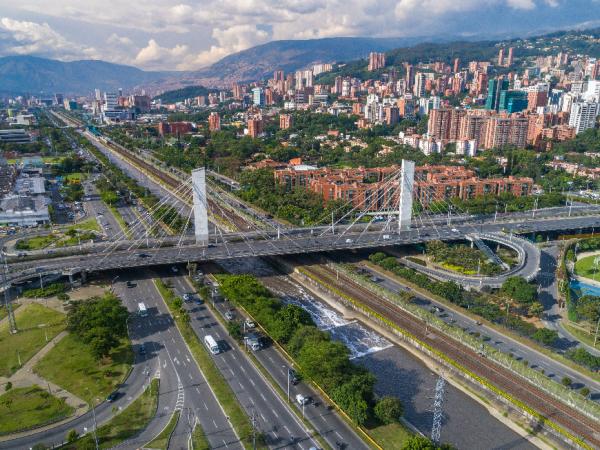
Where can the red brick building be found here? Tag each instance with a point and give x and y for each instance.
(176, 128)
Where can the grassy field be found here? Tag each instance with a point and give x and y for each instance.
(390, 436)
(199, 441)
(37, 242)
(580, 334)
(35, 322)
(81, 373)
(161, 442)
(4, 313)
(25, 408)
(126, 424)
(585, 268)
(86, 225)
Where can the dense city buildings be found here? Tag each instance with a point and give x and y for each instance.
(373, 187)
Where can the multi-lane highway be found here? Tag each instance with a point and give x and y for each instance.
(182, 384)
(273, 416)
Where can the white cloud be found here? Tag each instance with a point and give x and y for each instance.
(154, 56)
(169, 34)
(31, 38)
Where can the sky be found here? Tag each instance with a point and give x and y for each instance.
(191, 34)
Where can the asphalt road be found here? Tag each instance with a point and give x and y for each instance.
(273, 417)
(552, 368)
(182, 384)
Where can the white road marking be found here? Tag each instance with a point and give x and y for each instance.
(263, 397)
(241, 385)
(263, 417)
(251, 382)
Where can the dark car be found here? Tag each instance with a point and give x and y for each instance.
(113, 396)
(294, 378)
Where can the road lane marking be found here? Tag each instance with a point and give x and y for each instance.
(251, 382)
(263, 417)
(205, 407)
(263, 397)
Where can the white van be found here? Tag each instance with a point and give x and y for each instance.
(211, 344)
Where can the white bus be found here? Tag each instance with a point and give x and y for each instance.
(142, 310)
(211, 344)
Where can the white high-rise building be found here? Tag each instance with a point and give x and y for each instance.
(592, 93)
(583, 115)
(111, 101)
(419, 87)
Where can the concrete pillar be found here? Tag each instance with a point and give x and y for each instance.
(200, 206)
(83, 276)
(407, 179)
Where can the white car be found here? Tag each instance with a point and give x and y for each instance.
(302, 399)
(454, 230)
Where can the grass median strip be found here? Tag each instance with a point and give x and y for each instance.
(161, 442)
(198, 440)
(223, 392)
(119, 218)
(129, 422)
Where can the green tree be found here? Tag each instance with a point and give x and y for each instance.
(418, 442)
(566, 381)
(389, 410)
(109, 197)
(72, 436)
(588, 308)
(287, 320)
(519, 290)
(536, 309)
(545, 336)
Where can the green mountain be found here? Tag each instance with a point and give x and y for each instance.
(33, 75)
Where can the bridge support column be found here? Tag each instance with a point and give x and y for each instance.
(407, 178)
(83, 276)
(200, 206)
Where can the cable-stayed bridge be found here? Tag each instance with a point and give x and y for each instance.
(217, 226)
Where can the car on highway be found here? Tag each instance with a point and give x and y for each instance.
(113, 396)
(229, 315)
(142, 349)
(294, 378)
(174, 269)
(249, 323)
(131, 284)
(143, 255)
(454, 230)
(187, 297)
(302, 399)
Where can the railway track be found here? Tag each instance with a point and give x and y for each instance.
(546, 405)
(174, 184)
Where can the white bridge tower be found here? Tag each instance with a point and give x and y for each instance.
(200, 206)
(407, 179)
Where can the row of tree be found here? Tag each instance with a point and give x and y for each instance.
(319, 358)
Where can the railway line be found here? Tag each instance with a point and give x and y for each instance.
(546, 405)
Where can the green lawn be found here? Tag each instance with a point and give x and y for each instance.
(81, 373)
(86, 225)
(390, 436)
(4, 313)
(161, 442)
(124, 425)
(580, 334)
(585, 267)
(199, 441)
(25, 408)
(37, 242)
(35, 322)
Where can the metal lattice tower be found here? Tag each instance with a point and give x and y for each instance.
(436, 428)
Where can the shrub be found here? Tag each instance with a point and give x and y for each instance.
(389, 410)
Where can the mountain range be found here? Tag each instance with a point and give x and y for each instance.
(30, 74)
(34, 75)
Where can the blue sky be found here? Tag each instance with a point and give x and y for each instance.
(171, 35)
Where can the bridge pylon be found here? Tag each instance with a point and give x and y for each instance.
(200, 206)
(407, 180)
